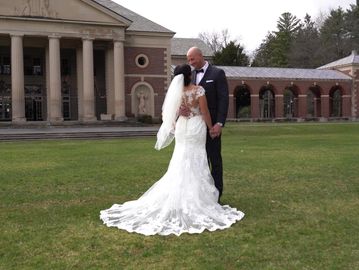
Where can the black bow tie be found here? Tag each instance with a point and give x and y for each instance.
(199, 71)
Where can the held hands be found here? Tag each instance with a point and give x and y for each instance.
(215, 131)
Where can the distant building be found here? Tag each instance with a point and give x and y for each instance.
(86, 60)
(275, 94)
(180, 46)
(94, 60)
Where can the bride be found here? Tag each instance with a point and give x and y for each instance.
(185, 198)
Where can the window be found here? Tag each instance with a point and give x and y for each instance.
(142, 61)
(37, 67)
(65, 67)
(32, 66)
(5, 65)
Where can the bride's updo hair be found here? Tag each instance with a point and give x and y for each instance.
(186, 71)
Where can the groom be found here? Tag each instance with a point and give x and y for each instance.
(214, 81)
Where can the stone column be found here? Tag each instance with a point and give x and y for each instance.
(17, 79)
(80, 86)
(110, 93)
(279, 106)
(119, 81)
(355, 97)
(55, 110)
(254, 106)
(47, 69)
(346, 106)
(324, 102)
(88, 81)
(302, 107)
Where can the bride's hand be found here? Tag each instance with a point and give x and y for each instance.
(184, 110)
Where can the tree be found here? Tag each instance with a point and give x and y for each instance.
(351, 19)
(226, 52)
(231, 55)
(333, 36)
(275, 49)
(288, 26)
(262, 55)
(305, 47)
(216, 41)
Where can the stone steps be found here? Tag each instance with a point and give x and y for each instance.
(83, 134)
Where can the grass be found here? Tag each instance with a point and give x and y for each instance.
(298, 185)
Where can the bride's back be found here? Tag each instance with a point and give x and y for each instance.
(191, 97)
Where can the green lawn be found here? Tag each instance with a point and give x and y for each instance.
(298, 185)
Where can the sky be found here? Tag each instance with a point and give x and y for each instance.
(246, 21)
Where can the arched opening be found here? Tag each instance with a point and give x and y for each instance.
(242, 102)
(266, 102)
(313, 102)
(290, 102)
(335, 102)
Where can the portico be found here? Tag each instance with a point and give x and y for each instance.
(62, 62)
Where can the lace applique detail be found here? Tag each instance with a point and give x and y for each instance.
(184, 200)
(190, 99)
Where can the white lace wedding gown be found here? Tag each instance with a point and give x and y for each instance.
(185, 198)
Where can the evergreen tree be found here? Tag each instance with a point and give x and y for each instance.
(352, 27)
(288, 27)
(231, 55)
(262, 55)
(274, 50)
(305, 47)
(333, 36)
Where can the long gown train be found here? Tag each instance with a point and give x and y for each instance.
(184, 199)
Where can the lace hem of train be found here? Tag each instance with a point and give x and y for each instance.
(177, 223)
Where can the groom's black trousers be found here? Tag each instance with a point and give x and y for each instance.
(213, 148)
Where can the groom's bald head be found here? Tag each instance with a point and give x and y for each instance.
(195, 58)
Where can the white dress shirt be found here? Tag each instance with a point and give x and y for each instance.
(200, 75)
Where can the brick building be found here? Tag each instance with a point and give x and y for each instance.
(258, 93)
(93, 60)
(84, 61)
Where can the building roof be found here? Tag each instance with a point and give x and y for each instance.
(283, 73)
(180, 46)
(265, 73)
(352, 59)
(139, 23)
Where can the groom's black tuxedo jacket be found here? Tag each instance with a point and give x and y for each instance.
(215, 83)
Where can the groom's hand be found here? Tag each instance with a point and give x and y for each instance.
(216, 131)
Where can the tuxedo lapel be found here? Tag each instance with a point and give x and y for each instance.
(205, 76)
